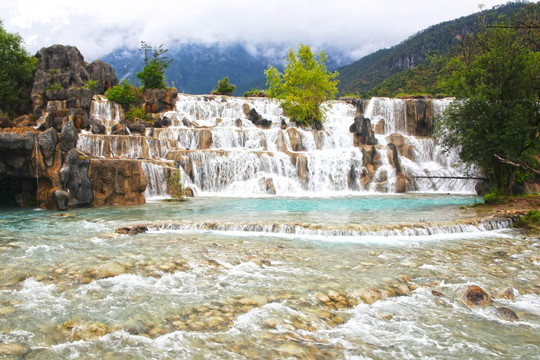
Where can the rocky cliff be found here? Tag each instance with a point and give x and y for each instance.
(39, 163)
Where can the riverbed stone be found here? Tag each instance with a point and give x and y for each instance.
(11, 349)
(107, 270)
(322, 297)
(371, 295)
(507, 314)
(476, 296)
(506, 294)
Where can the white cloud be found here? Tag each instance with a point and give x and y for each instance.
(98, 27)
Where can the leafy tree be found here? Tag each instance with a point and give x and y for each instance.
(16, 69)
(152, 75)
(124, 94)
(304, 85)
(224, 88)
(496, 80)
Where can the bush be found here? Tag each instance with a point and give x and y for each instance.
(137, 112)
(494, 198)
(531, 220)
(54, 87)
(124, 94)
(224, 88)
(174, 186)
(255, 93)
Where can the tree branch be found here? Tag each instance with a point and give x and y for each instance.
(516, 163)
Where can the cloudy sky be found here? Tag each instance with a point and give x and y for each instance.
(98, 27)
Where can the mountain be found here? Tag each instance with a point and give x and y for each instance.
(196, 68)
(372, 70)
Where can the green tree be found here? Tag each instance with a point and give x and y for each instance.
(16, 69)
(304, 85)
(152, 75)
(224, 88)
(496, 80)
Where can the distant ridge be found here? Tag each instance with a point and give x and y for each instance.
(196, 68)
(370, 71)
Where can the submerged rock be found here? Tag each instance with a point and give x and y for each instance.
(475, 296)
(506, 314)
(506, 294)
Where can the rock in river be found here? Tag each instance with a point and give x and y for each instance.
(475, 296)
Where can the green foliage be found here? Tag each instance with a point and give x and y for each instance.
(54, 87)
(16, 69)
(53, 71)
(174, 186)
(224, 88)
(124, 94)
(137, 112)
(152, 75)
(530, 221)
(496, 197)
(304, 85)
(91, 84)
(372, 70)
(496, 80)
(423, 79)
(255, 93)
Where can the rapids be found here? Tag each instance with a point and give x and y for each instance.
(73, 288)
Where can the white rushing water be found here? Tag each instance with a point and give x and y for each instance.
(225, 154)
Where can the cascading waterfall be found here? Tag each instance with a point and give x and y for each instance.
(156, 180)
(107, 112)
(224, 153)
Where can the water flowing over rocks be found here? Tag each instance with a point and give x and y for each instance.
(219, 145)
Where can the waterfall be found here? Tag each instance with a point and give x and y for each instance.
(223, 153)
(104, 110)
(156, 181)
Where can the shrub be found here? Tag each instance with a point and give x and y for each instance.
(54, 87)
(137, 112)
(124, 94)
(531, 220)
(255, 93)
(91, 84)
(224, 88)
(174, 186)
(494, 198)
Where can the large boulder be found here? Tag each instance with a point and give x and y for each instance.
(419, 117)
(16, 151)
(257, 119)
(117, 181)
(159, 100)
(363, 131)
(75, 180)
(47, 141)
(68, 137)
(103, 74)
(475, 296)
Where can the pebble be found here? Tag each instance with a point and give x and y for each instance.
(271, 323)
(370, 295)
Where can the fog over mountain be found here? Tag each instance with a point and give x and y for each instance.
(196, 68)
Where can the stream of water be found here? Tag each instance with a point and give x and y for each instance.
(73, 288)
